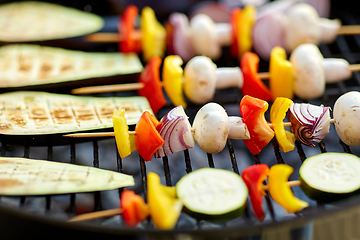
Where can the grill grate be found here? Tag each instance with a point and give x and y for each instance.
(347, 47)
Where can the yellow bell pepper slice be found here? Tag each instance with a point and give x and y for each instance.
(246, 21)
(281, 77)
(153, 39)
(278, 111)
(172, 76)
(280, 191)
(164, 207)
(125, 142)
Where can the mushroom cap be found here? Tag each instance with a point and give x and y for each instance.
(203, 36)
(200, 79)
(211, 126)
(308, 72)
(302, 26)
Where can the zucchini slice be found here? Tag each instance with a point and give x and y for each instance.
(21, 176)
(41, 113)
(329, 177)
(38, 21)
(26, 65)
(213, 194)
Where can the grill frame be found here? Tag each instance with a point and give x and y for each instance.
(314, 216)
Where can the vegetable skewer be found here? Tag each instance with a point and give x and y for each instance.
(201, 36)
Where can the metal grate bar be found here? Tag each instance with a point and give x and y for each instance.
(48, 197)
(300, 151)
(322, 147)
(143, 176)
(72, 161)
(97, 194)
(232, 157)
(26, 155)
(167, 171)
(277, 151)
(187, 161)
(210, 160)
(119, 167)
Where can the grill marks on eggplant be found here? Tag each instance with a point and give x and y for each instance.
(24, 113)
(27, 65)
(37, 21)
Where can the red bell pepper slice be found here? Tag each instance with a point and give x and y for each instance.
(147, 137)
(126, 29)
(152, 89)
(134, 208)
(254, 176)
(169, 28)
(252, 110)
(234, 23)
(253, 85)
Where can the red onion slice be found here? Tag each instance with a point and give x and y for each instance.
(181, 36)
(309, 123)
(176, 132)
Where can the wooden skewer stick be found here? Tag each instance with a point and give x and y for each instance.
(95, 215)
(126, 87)
(137, 34)
(112, 134)
(118, 211)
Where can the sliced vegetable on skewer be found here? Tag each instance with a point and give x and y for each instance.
(253, 109)
(346, 115)
(254, 176)
(213, 194)
(278, 111)
(280, 191)
(176, 132)
(147, 138)
(329, 177)
(164, 206)
(309, 123)
(21, 176)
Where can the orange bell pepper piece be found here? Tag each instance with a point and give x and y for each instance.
(147, 138)
(134, 208)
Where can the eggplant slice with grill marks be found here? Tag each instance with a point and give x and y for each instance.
(39, 118)
(35, 67)
(29, 21)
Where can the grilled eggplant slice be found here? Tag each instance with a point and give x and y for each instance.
(26, 65)
(35, 114)
(38, 21)
(21, 176)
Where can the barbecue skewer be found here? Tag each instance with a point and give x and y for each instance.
(118, 211)
(112, 134)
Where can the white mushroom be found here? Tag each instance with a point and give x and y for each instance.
(238, 128)
(347, 118)
(204, 37)
(302, 26)
(307, 68)
(201, 78)
(211, 128)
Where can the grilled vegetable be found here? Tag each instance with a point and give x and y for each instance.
(328, 177)
(213, 194)
(39, 113)
(37, 21)
(33, 66)
(20, 176)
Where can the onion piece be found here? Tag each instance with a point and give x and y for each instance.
(321, 6)
(309, 123)
(181, 36)
(176, 132)
(269, 27)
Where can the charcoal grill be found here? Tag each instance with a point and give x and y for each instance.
(20, 218)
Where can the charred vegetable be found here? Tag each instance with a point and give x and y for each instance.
(39, 113)
(21, 176)
(32, 65)
(37, 21)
